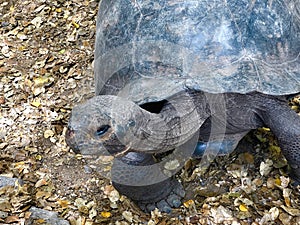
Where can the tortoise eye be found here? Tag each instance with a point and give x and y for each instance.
(102, 130)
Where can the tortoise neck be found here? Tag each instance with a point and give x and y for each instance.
(176, 123)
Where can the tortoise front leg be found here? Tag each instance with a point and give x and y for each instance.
(134, 177)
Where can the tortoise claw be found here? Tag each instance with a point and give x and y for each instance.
(163, 206)
(173, 200)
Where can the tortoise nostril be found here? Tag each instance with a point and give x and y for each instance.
(70, 132)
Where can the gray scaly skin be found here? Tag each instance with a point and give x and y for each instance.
(244, 112)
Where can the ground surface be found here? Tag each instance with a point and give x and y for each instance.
(46, 68)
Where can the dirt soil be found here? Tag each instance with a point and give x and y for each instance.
(46, 67)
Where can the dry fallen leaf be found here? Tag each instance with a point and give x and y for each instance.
(41, 182)
(105, 214)
(243, 208)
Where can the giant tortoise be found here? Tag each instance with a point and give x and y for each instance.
(171, 73)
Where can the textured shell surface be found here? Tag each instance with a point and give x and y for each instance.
(148, 50)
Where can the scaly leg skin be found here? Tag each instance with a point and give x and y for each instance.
(164, 195)
(285, 124)
(171, 200)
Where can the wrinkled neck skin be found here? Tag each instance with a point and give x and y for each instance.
(177, 122)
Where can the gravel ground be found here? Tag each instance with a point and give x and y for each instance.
(46, 67)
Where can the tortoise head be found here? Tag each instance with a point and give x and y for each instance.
(108, 124)
(101, 125)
